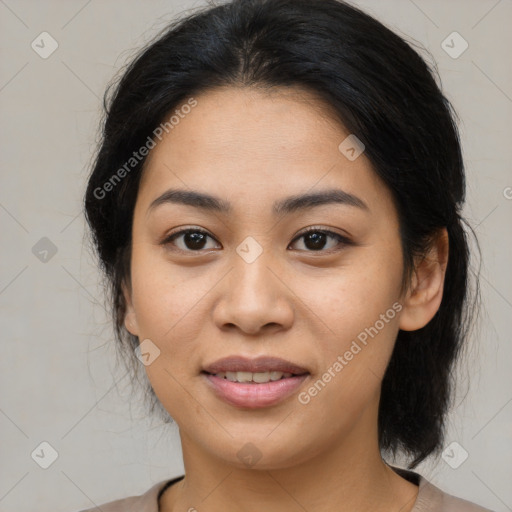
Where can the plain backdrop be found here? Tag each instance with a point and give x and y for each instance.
(59, 379)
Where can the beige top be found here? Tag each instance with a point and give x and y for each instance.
(430, 498)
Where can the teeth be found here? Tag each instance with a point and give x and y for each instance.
(228, 375)
(277, 375)
(258, 378)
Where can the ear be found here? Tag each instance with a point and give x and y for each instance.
(130, 318)
(425, 293)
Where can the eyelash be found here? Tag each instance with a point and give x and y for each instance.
(342, 240)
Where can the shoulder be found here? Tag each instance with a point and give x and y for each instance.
(437, 500)
(146, 502)
(433, 499)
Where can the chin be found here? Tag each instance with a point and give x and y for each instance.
(264, 452)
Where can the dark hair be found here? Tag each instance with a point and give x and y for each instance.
(382, 91)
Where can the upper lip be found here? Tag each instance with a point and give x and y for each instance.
(259, 364)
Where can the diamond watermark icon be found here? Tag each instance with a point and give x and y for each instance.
(44, 45)
(249, 250)
(44, 455)
(147, 352)
(454, 45)
(454, 455)
(44, 250)
(351, 147)
(249, 454)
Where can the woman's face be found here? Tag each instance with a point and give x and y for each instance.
(255, 284)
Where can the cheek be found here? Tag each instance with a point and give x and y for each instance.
(353, 297)
(163, 297)
(357, 311)
(169, 312)
(354, 360)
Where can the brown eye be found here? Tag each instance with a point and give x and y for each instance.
(191, 240)
(316, 240)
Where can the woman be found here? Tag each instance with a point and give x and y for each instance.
(276, 204)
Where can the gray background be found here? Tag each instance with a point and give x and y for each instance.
(59, 379)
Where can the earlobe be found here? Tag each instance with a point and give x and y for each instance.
(130, 319)
(424, 296)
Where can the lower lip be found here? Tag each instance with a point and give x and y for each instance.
(254, 396)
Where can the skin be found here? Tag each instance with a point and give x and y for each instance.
(251, 148)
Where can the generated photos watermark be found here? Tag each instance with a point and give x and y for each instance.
(143, 151)
(355, 348)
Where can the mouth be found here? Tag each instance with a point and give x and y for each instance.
(260, 365)
(253, 378)
(254, 383)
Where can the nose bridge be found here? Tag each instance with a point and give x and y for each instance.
(251, 275)
(253, 296)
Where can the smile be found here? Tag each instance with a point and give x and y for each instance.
(251, 394)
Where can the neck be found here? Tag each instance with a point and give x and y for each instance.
(349, 476)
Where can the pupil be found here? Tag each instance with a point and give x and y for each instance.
(195, 240)
(318, 240)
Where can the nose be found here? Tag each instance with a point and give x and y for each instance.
(253, 298)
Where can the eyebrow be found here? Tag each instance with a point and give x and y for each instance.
(287, 205)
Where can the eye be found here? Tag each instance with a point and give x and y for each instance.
(191, 240)
(316, 239)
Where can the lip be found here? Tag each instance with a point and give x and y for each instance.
(254, 396)
(259, 364)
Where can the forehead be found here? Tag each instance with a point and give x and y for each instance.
(251, 144)
(231, 122)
